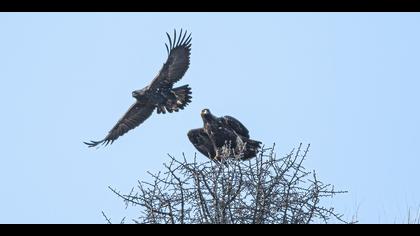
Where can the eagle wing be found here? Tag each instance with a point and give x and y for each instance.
(236, 125)
(177, 63)
(135, 115)
(202, 142)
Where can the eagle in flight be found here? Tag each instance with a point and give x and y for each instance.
(160, 93)
(220, 131)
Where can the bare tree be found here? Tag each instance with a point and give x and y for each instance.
(264, 190)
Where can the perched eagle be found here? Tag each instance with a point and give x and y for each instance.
(160, 93)
(220, 131)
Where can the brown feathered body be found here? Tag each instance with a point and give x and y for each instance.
(220, 134)
(160, 94)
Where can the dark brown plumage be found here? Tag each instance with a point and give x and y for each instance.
(160, 93)
(220, 131)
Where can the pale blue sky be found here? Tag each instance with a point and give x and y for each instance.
(348, 83)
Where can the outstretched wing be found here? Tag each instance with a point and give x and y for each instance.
(201, 142)
(178, 61)
(236, 125)
(136, 115)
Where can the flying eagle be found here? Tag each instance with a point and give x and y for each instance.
(159, 94)
(219, 131)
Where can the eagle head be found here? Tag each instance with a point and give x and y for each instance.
(138, 94)
(206, 115)
(205, 112)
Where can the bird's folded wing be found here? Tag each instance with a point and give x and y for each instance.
(236, 125)
(202, 142)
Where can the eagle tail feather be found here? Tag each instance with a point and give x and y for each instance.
(251, 149)
(179, 99)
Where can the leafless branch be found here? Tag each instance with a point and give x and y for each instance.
(263, 190)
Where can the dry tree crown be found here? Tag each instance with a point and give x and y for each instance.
(263, 190)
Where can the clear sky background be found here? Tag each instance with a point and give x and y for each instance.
(348, 83)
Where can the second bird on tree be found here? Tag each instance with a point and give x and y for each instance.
(219, 132)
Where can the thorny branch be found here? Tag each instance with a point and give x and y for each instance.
(263, 190)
